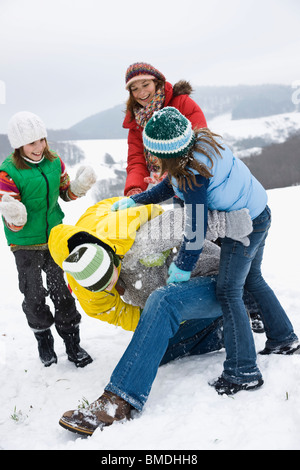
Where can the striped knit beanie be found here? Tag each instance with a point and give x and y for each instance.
(168, 134)
(91, 266)
(142, 71)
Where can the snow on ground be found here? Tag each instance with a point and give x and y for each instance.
(183, 412)
(272, 129)
(276, 127)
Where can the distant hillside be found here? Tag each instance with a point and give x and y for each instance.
(69, 152)
(103, 125)
(242, 101)
(278, 165)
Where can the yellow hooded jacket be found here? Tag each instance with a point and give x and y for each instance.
(116, 229)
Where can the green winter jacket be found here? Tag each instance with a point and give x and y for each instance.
(39, 190)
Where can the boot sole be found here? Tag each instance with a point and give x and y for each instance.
(232, 389)
(82, 363)
(282, 352)
(75, 429)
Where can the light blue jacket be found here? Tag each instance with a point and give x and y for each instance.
(232, 186)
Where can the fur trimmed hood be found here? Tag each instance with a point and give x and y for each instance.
(182, 88)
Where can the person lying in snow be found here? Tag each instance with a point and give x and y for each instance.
(91, 253)
(140, 242)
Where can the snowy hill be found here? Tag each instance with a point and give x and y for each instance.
(248, 136)
(241, 102)
(182, 412)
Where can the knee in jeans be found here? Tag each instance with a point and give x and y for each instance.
(161, 305)
(227, 293)
(159, 295)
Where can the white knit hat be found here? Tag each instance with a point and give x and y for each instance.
(24, 128)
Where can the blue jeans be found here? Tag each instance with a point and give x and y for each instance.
(159, 337)
(240, 267)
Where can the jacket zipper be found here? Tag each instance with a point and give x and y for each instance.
(47, 196)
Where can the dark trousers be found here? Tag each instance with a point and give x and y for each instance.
(30, 265)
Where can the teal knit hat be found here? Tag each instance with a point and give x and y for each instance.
(168, 134)
(91, 266)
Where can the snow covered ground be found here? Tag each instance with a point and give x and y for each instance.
(183, 412)
(271, 129)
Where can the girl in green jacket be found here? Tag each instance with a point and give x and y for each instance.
(31, 180)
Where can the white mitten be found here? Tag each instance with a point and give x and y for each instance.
(236, 225)
(85, 178)
(13, 211)
(239, 226)
(216, 225)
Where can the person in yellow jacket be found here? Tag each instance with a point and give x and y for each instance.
(115, 233)
(103, 243)
(139, 242)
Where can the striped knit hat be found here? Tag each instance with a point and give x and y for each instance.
(142, 71)
(168, 134)
(91, 266)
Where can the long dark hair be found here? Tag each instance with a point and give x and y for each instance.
(21, 164)
(180, 167)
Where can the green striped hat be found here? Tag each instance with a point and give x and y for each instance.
(91, 266)
(168, 134)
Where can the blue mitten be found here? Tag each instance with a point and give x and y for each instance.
(124, 203)
(177, 275)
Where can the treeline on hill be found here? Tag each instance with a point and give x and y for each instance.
(244, 101)
(70, 153)
(278, 165)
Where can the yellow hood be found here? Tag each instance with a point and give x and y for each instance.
(116, 229)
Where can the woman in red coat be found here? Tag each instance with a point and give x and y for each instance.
(148, 92)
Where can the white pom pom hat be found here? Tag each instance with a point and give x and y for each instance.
(24, 128)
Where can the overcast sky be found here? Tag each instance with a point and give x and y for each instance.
(66, 59)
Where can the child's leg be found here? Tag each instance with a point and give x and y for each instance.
(278, 328)
(67, 318)
(39, 317)
(29, 265)
(66, 314)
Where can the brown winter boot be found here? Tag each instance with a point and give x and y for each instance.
(102, 412)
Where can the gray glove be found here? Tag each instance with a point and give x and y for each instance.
(85, 178)
(13, 211)
(236, 225)
(239, 226)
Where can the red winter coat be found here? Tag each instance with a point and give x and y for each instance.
(178, 97)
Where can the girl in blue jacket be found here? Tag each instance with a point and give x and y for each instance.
(205, 174)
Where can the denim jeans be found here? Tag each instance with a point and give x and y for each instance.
(159, 337)
(240, 267)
